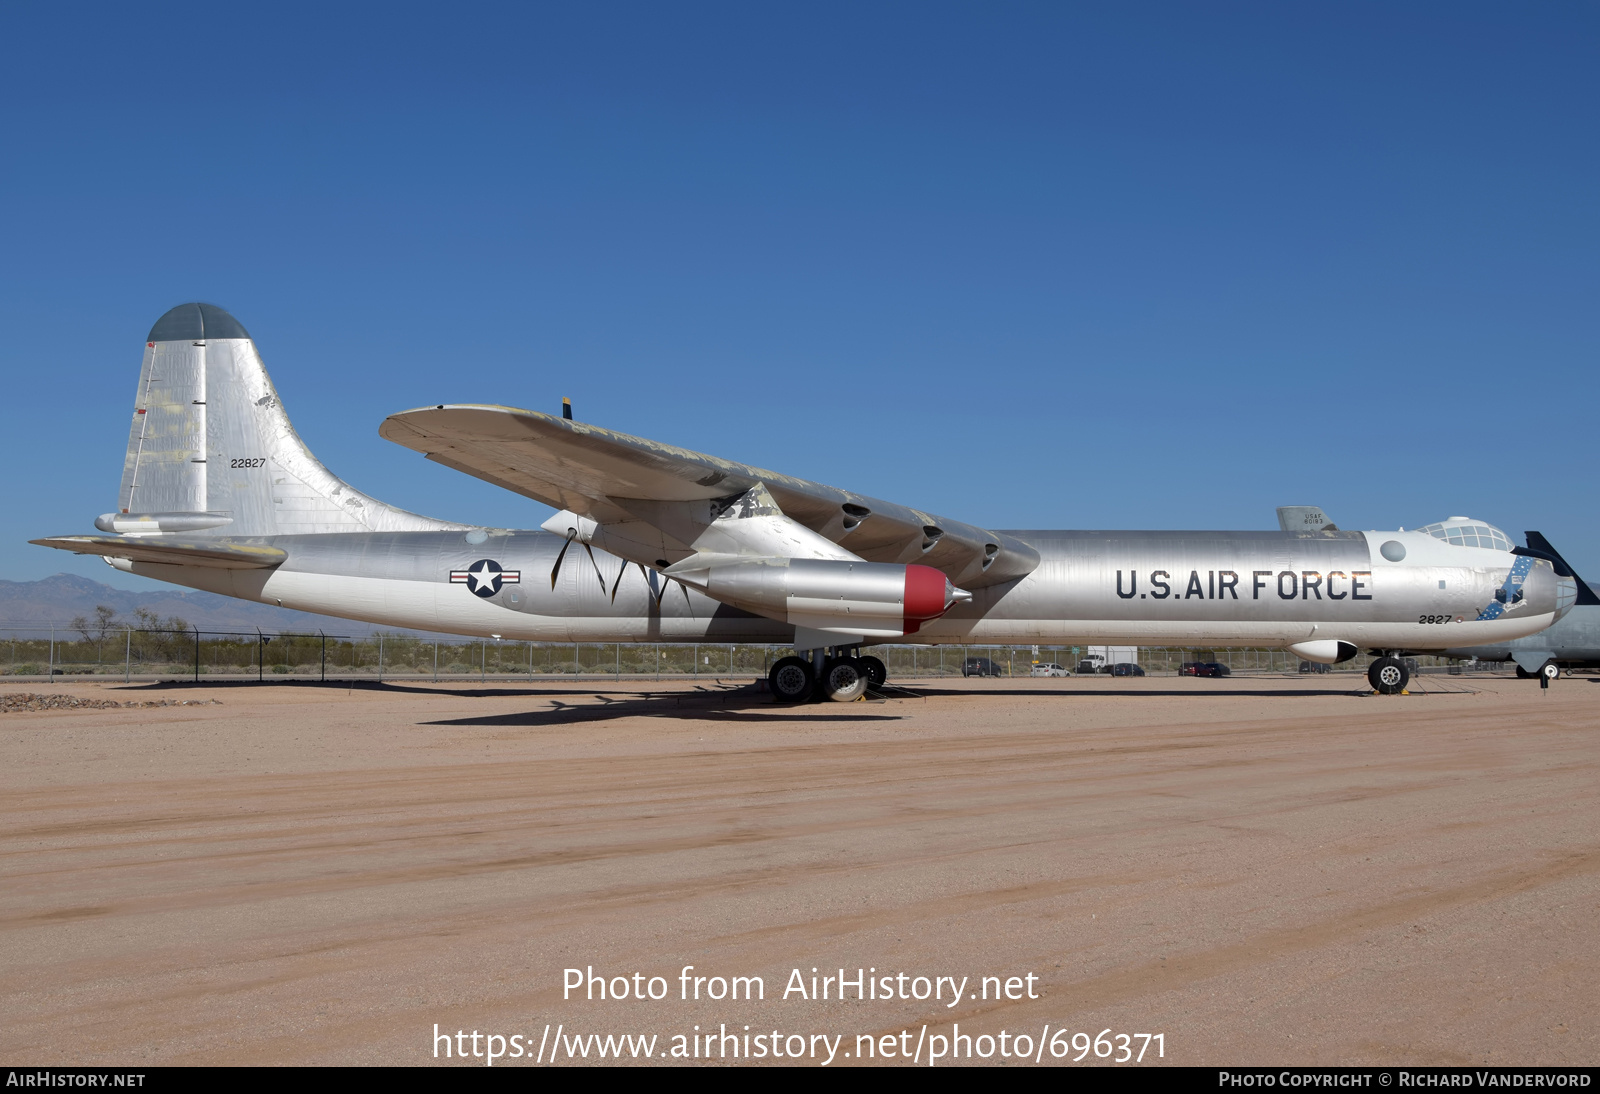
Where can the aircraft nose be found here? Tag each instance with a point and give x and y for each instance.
(1566, 595)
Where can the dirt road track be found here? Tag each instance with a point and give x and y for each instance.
(1266, 871)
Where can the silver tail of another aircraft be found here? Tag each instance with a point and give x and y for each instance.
(211, 450)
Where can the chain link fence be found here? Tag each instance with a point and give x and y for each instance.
(172, 652)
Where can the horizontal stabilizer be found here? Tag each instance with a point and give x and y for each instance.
(218, 555)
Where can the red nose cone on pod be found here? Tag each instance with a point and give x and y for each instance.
(928, 596)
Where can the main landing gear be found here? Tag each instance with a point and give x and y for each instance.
(1388, 675)
(836, 674)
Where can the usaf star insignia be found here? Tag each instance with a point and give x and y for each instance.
(485, 577)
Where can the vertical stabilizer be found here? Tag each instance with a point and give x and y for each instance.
(1304, 518)
(211, 448)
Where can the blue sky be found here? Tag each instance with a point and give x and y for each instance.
(1092, 266)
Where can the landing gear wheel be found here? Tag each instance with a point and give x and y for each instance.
(1524, 674)
(844, 680)
(877, 672)
(1388, 676)
(1550, 671)
(790, 680)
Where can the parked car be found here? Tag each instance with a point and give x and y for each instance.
(1048, 669)
(1089, 668)
(1204, 668)
(980, 666)
(1126, 668)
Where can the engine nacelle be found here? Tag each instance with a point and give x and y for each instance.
(874, 599)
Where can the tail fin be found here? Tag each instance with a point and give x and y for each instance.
(1304, 518)
(211, 448)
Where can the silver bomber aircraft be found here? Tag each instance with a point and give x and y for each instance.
(219, 493)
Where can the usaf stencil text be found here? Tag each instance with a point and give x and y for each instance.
(1224, 584)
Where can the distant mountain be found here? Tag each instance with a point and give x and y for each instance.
(58, 599)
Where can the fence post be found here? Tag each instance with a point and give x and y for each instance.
(53, 654)
(435, 660)
(324, 655)
(697, 659)
(127, 654)
(197, 655)
(261, 656)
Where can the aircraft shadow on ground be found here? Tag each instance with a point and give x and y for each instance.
(463, 691)
(720, 696)
(924, 691)
(725, 703)
(744, 705)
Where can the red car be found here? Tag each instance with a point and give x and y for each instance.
(1204, 668)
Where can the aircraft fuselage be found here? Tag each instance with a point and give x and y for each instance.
(1151, 588)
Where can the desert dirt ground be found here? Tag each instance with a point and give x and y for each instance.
(1262, 870)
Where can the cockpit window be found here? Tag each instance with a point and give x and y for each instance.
(1466, 532)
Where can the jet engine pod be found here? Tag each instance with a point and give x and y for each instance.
(873, 599)
(1327, 651)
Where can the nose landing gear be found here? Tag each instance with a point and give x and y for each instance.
(1388, 675)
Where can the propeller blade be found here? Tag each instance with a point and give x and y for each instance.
(556, 569)
(596, 565)
(617, 584)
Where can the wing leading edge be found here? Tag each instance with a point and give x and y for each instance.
(605, 476)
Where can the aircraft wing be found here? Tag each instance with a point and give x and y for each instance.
(225, 556)
(596, 473)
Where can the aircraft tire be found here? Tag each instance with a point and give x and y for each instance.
(790, 680)
(877, 671)
(1388, 676)
(844, 680)
(1550, 670)
(1524, 674)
